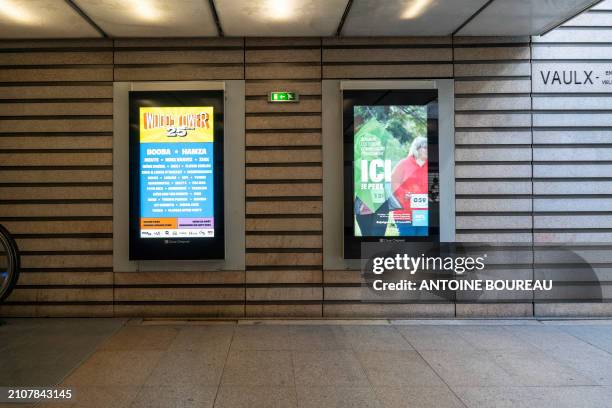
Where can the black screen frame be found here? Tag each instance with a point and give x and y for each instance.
(352, 98)
(212, 248)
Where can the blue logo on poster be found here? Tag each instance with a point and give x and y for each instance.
(420, 218)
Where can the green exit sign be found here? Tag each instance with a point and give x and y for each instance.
(284, 96)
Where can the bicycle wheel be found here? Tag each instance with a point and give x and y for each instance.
(9, 263)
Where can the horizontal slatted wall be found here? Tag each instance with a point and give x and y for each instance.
(493, 162)
(56, 167)
(572, 136)
(204, 293)
(380, 58)
(283, 179)
(56, 174)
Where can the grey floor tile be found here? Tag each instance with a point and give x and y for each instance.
(583, 397)
(433, 337)
(22, 331)
(71, 341)
(547, 337)
(205, 339)
(104, 397)
(327, 368)
(35, 367)
(421, 397)
(337, 397)
(256, 397)
(266, 337)
(310, 338)
(115, 368)
(258, 367)
(466, 367)
(141, 338)
(188, 367)
(589, 361)
(398, 368)
(43, 351)
(596, 321)
(175, 395)
(492, 338)
(46, 404)
(528, 397)
(535, 368)
(381, 338)
(583, 357)
(564, 365)
(507, 397)
(599, 336)
(43, 404)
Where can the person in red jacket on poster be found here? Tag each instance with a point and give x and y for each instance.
(410, 177)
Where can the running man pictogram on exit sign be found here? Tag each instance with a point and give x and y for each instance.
(284, 96)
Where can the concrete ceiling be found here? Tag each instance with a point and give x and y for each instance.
(426, 18)
(281, 18)
(209, 18)
(151, 18)
(42, 19)
(517, 17)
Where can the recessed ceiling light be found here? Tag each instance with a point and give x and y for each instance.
(16, 12)
(415, 9)
(280, 9)
(145, 9)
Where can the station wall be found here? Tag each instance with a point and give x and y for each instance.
(531, 166)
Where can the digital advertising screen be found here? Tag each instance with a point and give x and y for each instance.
(390, 170)
(176, 172)
(176, 175)
(390, 166)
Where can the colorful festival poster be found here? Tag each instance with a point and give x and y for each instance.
(177, 172)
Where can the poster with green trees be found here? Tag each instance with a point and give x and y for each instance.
(383, 136)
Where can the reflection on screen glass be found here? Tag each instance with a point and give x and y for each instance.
(390, 167)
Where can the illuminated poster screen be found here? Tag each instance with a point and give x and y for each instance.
(176, 172)
(176, 175)
(390, 171)
(390, 167)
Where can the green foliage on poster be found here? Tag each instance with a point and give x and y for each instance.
(383, 135)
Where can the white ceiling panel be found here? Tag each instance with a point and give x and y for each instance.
(280, 18)
(151, 18)
(522, 17)
(408, 17)
(42, 19)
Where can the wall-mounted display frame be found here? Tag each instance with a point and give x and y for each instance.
(176, 175)
(390, 167)
(339, 209)
(233, 177)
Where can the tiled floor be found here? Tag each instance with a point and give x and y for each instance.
(119, 363)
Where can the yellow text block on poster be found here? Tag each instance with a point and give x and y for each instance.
(182, 124)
